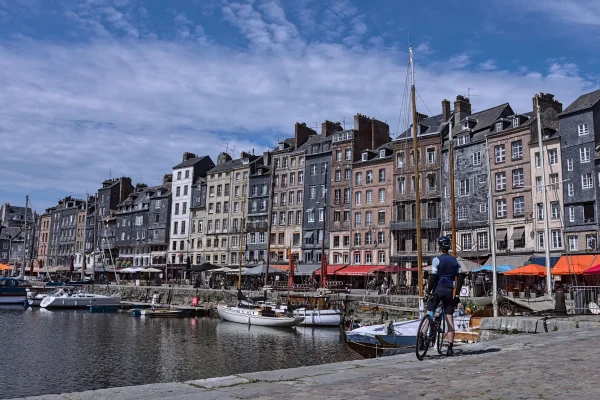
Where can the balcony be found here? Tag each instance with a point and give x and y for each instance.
(411, 224)
(337, 225)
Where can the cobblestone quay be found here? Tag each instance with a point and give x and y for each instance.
(557, 365)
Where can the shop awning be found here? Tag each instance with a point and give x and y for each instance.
(331, 269)
(518, 233)
(577, 264)
(489, 268)
(501, 235)
(514, 261)
(308, 235)
(528, 270)
(359, 270)
(593, 271)
(306, 269)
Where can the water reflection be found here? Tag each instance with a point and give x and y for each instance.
(62, 351)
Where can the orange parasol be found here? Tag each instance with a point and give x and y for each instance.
(529, 270)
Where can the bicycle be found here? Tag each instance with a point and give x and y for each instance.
(435, 328)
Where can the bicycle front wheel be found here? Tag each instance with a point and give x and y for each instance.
(422, 344)
(441, 333)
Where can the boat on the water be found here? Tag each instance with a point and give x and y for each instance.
(34, 299)
(67, 298)
(13, 290)
(160, 313)
(316, 310)
(387, 339)
(257, 315)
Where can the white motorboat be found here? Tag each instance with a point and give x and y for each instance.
(316, 317)
(263, 316)
(65, 298)
(35, 299)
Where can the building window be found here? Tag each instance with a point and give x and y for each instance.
(587, 181)
(477, 158)
(482, 240)
(311, 215)
(300, 177)
(554, 181)
(382, 195)
(590, 241)
(500, 153)
(588, 212)
(570, 190)
(553, 156)
(430, 156)
(501, 208)
(556, 239)
(358, 220)
(338, 175)
(463, 139)
(466, 242)
(369, 194)
(357, 257)
(538, 160)
(464, 187)
(357, 239)
(540, 212)
(358, 198)
(541, 241)
(555, 207)
(323, 168)
(462, 213)
(313, 192)
(515, 122)
(369, 238)
(365, 156)
(483, 208)
(313, 170)
(583, 129)
(178, 175)
(571, 214)
(518, 237)
(517, 150)
(584, 155)
(500, 181)
(569, 164)
(498, 126)
(348, 174)
(400, 159)
(573, 242)
(381, 217)
(401, 185)
(348, 154)
(358, 180)
(368, 258)
(518, 177)
(519, 206)
(321, 214)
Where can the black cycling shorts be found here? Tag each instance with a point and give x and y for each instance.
(446, 297)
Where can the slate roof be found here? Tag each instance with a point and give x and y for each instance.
(227, 166)
(429, 125)
(583, 102)
(189, 163)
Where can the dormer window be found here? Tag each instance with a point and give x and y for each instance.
(245, 161)
(515, 122)
(365, 156)
(465, 124)
(381, 153)
(498, 126)
(280, 146)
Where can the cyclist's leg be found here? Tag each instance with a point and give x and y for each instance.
(449, 306)
(431, 305)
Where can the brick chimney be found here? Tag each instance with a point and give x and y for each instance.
(188, 156)
(267, 158)
(380, 133)
(223, 158)
(445, 110)
(329, 128)
(167, 178)
(302, 133)
(462, 108)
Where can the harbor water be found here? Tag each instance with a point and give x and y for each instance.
(46, 352)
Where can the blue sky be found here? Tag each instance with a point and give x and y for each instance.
(124, 87)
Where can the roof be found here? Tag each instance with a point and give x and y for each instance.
(428, 125)
(227, 166)
(190, 162)
(583, 102)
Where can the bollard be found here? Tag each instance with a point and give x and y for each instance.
(560, 307)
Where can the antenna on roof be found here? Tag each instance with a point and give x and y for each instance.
(110, 173)
(316, 126)
(344, 122)
(469, 93)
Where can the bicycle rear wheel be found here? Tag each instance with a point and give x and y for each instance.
(441, 332)
(422, 344)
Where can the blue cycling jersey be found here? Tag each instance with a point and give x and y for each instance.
(447, 268)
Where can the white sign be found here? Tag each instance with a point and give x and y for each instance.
(465, 291)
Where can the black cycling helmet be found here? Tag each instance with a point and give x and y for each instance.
(445, 243)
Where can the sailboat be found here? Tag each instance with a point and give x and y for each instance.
(254, 311)
(394, 337)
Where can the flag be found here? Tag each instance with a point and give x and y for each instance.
(72, 266)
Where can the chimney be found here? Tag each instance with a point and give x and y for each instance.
(302, 133)
(328, 128)
(267, 158)
(223, 158)
(445, 110)
(462, 108)
(380, 133)
(546, 101)
(188, 156)
(167, 178)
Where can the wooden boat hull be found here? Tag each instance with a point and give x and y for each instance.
(242, 316)
(164, 313)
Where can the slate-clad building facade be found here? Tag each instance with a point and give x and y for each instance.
(63, 230)
(257, 217)
(579, 127)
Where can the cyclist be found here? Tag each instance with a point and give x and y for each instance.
(444, 271)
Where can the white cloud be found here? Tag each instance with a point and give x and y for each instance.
(488, 65)
(579, 12)
(73, 111)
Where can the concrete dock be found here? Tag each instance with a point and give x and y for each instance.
(556, 365)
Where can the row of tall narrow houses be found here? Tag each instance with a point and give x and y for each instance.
(348, 192)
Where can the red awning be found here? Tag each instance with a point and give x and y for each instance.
(331, 269)
(394, 269)
(360, 270)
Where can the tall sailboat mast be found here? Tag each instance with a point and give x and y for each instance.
(270, 222)
(417, 182)
(241, 240)
(452, 199)
(544, 198)
(25, 236)
(492, 232)
(323, 258)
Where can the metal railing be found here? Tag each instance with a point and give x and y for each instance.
(586, 299)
